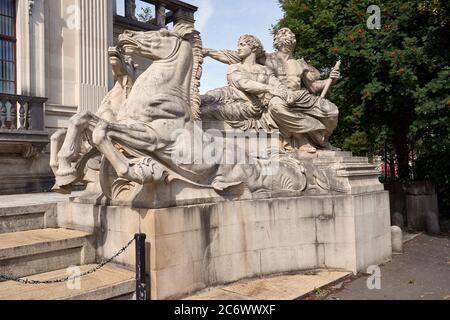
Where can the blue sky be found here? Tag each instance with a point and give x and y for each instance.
(222, 22)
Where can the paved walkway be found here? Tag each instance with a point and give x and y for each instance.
(422, 272)
(286, 287)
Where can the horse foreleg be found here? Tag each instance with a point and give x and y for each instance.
(101, 141)
(101, 137)
(55, 145)
(71, 146)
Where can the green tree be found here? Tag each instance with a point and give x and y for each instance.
(146, 15)
(394, 79)
(431, 133)
(357, 143)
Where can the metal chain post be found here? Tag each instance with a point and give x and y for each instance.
(141, 283)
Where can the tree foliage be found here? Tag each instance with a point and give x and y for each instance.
(146, 15)
(395, 85)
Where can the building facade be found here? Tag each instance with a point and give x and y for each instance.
(53, 56)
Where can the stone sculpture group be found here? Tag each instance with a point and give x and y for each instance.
(130, 142)
(234, 184)
(274, 91)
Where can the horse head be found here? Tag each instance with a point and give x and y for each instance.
(163, 45)
(155, 45)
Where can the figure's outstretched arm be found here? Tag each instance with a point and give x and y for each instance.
(250, 86)
(224, 56)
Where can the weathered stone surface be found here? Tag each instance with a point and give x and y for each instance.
(289, 287)
(199, 246)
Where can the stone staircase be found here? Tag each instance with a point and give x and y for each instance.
(33, 246)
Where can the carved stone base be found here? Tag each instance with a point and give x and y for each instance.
(334, 172)
(200, 246)
(215, 241)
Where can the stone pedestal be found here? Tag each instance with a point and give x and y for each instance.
(414, 205)
(214, 241)
(422, 207)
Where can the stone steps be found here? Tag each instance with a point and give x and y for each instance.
(32, 252)
(356, 169)
(23, 212)
(33, 246)
(353, 160)
(27, 217)
(110, 282)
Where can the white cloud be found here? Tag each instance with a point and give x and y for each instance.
(205, 11)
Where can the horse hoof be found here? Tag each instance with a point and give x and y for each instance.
(64, 181)
(66, 172)
(62, 189)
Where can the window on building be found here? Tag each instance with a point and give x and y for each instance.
(7, 46)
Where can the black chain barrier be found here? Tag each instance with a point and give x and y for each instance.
(65, 279)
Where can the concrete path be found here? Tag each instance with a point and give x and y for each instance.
(422, 272)
(287, 287)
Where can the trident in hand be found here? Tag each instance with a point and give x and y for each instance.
(328, 83)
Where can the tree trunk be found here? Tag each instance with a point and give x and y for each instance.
(402, 150)
(392, 168)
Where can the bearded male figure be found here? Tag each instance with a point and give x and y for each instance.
(305, 120)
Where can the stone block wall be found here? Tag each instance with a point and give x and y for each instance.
(199, 246)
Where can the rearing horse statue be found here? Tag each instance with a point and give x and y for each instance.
(140, 144)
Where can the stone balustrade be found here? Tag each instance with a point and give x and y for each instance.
(23, 162)
(165, 12)
(21, 112)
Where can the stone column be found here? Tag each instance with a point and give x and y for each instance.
(37, 53)
(30, 48)
(96, 35)
(23, 56)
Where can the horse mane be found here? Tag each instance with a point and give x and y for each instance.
(188, 32)
(197, 47)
